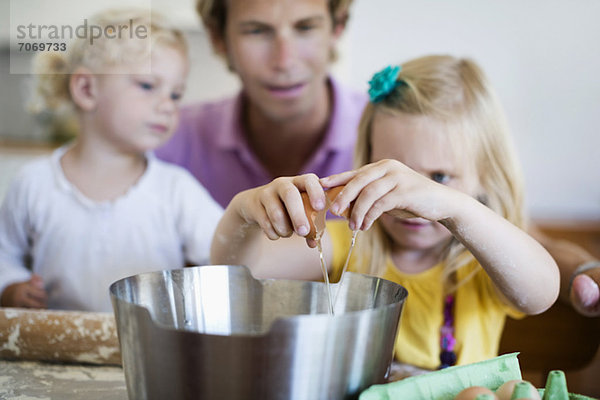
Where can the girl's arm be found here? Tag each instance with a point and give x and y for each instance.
(255, 219)
(520, 268)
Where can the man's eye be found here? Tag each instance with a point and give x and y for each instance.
(306, 27)
(440, 177)
(255, 30)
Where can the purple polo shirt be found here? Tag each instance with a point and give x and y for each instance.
(210, 143)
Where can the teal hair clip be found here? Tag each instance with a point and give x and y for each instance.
(383, 83)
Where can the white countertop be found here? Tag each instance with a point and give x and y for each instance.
(26, 380)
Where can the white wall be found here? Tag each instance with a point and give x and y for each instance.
(542, 56)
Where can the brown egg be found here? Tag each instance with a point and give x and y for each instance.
(505, 391)
(472, 392)
(316, 219)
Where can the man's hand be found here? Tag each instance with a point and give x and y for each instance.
(585, 293)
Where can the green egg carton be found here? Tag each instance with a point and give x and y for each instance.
(572, 396)
(447, 383)
(556, 388)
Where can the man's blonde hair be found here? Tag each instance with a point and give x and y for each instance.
(213, 13)
(455, 92)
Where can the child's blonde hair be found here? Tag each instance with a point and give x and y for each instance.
(455, 92)
(53, 69)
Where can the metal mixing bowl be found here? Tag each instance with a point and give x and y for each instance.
(215, 332)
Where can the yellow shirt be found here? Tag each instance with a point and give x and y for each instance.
(479, 314)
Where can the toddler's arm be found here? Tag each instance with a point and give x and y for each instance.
(271, 211)
(18, 288)
(521, 269)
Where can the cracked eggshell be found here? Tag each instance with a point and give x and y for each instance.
(316, 219)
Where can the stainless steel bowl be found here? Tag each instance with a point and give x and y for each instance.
(215, 332)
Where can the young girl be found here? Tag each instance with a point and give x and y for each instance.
(102, 207)
(438, 195)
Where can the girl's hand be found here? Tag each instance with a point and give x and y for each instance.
(28, 294)
(388, 186)
(270, 212)
(520, 268)
(277, 207)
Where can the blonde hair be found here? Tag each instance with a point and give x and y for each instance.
(456, 92)
(52, 70)
(213, 13)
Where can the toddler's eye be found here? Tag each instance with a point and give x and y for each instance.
(176, 96)
(440, 177)
(146, 85)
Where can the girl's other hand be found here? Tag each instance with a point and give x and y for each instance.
(28, 294)
(387, 186)
(277, 207)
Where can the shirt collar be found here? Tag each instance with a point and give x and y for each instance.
(341, 130)
(64, 184)
(230, 132)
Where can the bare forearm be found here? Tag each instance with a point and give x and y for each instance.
(240, 242)
(235, 241)
(521, 269)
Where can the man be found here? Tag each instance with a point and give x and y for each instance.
(290, 117)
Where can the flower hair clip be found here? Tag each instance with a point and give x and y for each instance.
(383, 83)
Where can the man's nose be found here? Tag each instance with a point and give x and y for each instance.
(284, 52)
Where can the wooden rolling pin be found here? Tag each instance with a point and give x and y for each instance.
(66, 336)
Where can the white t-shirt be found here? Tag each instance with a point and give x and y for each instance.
(79, 246)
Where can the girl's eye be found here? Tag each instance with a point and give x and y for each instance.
(176, 96)
(440, 177)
